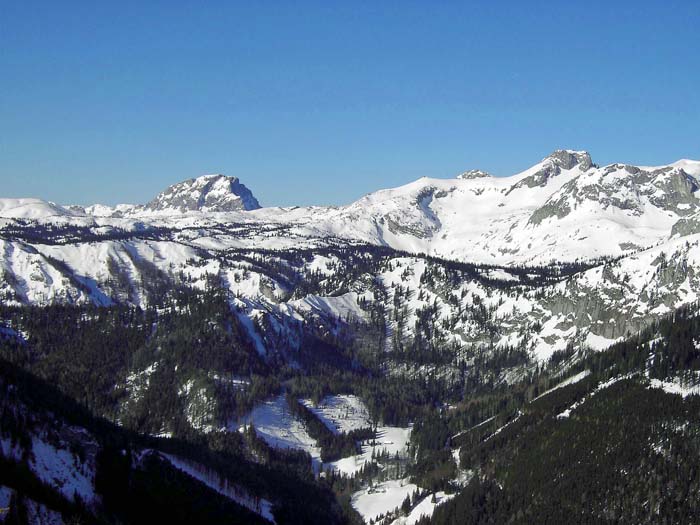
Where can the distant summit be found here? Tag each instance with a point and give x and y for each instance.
(473, 174)
(209, 193)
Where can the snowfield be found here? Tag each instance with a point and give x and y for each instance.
(382, 498)
(389, 440)
(275, 424)
(61, 468)
(343, 413)
(562, 208)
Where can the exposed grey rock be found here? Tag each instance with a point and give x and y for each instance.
(550, 209)
(567, 159)
(538, 178)
(76, 209)
(553, 165)
(626, 188)
(686, 226)
(424, 224)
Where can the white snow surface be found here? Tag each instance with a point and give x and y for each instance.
(60, 468)
(342, 413)
(382, 498)
(30, 208)
(569, 381)
(275, 424)
(555, 210)
(343, 306)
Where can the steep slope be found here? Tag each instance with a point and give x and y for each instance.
(61, 465)
(57, 459)
(610, 439)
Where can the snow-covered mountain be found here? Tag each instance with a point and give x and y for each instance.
(564, 208)
(636, 228)
(464, 287)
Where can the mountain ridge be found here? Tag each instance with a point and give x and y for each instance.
(618, 224)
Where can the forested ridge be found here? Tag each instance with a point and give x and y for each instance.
(605, 449)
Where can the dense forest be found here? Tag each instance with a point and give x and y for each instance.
(605, 449)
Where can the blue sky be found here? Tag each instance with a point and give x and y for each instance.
(322, 102)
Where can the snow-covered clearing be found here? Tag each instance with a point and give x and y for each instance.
(342, 413)
(61, 468)
(275, 424)
(342, 307)
(382, 498)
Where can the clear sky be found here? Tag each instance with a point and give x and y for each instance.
(322, 102)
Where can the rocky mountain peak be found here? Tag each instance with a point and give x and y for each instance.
(209, 193)
(567, 159)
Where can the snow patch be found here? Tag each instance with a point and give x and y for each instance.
(675, 386)
(381, 498)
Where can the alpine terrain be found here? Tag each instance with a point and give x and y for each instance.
(481, 349)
